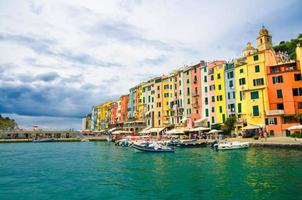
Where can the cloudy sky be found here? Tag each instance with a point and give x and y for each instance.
(58, 58)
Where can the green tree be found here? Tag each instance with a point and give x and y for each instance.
(229, 125)
(7, 123)
(289, 46)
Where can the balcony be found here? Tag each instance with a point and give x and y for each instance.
(275, 112)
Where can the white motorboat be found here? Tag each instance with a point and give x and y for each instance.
(231, 145)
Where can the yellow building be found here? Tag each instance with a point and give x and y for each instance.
(299, 56)
(166, 100)
(102, 120)
(139, 115)
(220, 93)
(256, 97)
(240, 85)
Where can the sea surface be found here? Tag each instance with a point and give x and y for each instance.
(100, 170)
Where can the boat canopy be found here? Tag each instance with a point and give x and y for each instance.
(144, 131)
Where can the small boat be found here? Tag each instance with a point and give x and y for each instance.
(153, 147)
(191, 143)
(123, 143)
(85, 140)
(44, 140)
(231, 145)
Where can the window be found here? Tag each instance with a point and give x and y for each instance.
(213, 120)
(219, 87)
(256, 57)
(231, 84)
(279, 94)
(277, 79)
(188, 80)
(297, 91)
(297, 77)
(213, 109)
(255, 95)
(207, 112)
(188, 91)
(166, 87)
(241, 95)
(229, 95)
(299, 105)
(259, 81)
(206, 89)
(223, 118)
(271, 121)
(158, 96)
(188, 101)
(255, 111)
(158, 87)
(158, 114)
(205, 79)
(206, 100)
(242, 81)
(220, 98)
(239, 107)
(241, 71)
(230, 75)
(257, 68)
(220, 109)
(218, 76)
(280, 106)
(159, 122)
(205, 69)
(212, 77)
(213, 98)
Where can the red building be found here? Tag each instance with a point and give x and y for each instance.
(285, 97)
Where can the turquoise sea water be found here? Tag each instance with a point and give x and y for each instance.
(99, 170)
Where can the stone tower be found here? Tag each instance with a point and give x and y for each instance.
(249, 50)
(264, 40)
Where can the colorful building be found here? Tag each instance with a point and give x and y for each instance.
(196, 94)
(187, 99)
(284, 85)
(158, 101)
(220, 89)
(103, 119)
(230, 89)
(148, 102)
(123, 109)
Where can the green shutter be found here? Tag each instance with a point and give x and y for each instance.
(255, 111)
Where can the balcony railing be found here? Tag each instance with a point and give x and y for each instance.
(275, 112)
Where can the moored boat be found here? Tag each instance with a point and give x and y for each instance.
(191, 143)
(231, 145)
(153, 147)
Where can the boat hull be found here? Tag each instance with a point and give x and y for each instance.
(44, 140)
(192, 145)
(151, 149)
(232, 146)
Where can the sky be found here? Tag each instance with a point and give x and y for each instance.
(59, 58)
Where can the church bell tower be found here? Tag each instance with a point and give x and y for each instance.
(264, 40)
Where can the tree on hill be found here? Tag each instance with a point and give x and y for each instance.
(289, 46)
(7, 124)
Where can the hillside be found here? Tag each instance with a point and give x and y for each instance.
(289, 46)
(7, 123)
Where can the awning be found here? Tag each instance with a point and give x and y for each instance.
(251, 127)
(215, 131)
(175, 131)
(120, 132)
(299, 127)
(113, 129)
(155, 130)
(144, 131)
(200, 129)
(201, 120)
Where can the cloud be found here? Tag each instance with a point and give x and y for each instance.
(58, 58)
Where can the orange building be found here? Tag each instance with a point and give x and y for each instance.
(123, 108)
(284, 87)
